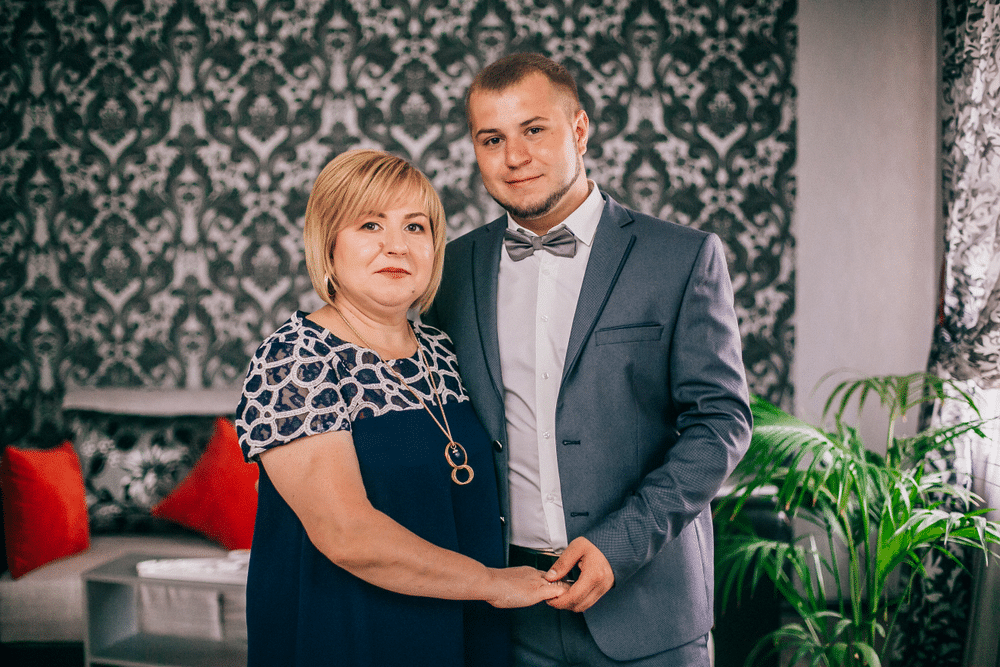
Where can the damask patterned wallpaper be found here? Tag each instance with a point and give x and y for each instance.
(156, 157)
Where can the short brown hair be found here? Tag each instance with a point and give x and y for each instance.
(352, 183)
(511, 69)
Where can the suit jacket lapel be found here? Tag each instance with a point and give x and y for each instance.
(612, 244)
(485, 272)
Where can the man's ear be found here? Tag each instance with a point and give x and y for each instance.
(581, 127)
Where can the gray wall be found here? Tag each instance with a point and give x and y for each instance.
(866, 219)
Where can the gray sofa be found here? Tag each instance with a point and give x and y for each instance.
(46, 605)
(134, 448)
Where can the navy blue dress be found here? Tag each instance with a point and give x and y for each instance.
(302, 609)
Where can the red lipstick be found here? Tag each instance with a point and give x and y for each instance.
(394, 272)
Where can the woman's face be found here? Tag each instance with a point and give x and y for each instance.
(383, 260)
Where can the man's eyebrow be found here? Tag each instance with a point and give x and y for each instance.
(533, 120)
(490, 130)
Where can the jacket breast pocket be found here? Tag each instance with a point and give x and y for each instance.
(629, 333)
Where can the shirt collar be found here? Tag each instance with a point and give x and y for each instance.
(583, 221)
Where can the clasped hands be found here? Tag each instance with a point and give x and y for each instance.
(596, 577)
(524, 586)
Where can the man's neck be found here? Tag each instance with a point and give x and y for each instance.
(562, 210)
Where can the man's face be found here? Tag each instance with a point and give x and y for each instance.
(529, 146)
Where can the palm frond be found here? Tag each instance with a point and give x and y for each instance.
(887, 510)
(777, 560)
(897, 393)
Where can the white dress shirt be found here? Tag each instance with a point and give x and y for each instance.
(536, 301)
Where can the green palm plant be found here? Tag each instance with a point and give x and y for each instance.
(887, 511)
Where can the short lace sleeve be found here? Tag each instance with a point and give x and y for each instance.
(292, 390)
(442, 351)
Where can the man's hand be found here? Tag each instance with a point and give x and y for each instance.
(596, 576)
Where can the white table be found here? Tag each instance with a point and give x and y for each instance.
(118, 628)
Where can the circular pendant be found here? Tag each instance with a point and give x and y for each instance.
(455, 475)
(458, 459)
(456, 454)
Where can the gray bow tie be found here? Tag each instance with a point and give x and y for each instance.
(560, 243)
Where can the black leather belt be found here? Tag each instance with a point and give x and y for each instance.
(540, 560)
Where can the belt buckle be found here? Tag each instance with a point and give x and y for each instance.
(572, 575)
(547, 552)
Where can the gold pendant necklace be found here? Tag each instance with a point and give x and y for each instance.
(453, 451)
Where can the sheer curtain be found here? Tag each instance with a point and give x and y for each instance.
(967, 340)
(983, 647)
(953, 618)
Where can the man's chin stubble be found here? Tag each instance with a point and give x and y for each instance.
(534, 212)
(544, 207)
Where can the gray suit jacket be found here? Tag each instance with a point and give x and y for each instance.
(652, 414)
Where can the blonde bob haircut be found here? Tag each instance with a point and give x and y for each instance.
(358, 182)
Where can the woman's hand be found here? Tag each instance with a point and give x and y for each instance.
(522, 587)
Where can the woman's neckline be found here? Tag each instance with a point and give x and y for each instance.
(304, 317)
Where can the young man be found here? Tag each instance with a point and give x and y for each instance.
(601, 351)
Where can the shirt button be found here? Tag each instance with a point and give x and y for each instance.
(546, 435)
(550, 498)
(545, 318)
(545, 376)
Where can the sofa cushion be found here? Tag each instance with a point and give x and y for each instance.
(218, 498)
(45, 511)
(131, 462)
(46, 605)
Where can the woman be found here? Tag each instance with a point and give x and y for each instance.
(378, 536)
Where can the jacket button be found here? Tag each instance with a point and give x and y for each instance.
(503, 521)
(497, 446)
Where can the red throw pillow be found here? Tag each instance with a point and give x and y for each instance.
(218, 498)
(44, 506)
